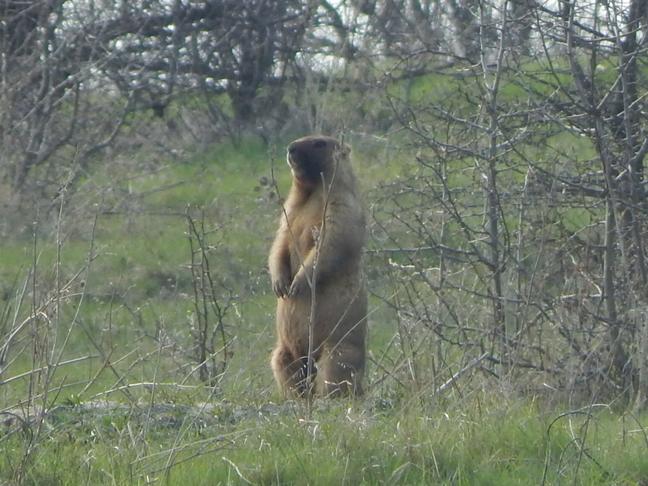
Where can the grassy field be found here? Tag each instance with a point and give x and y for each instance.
(98, 296)
(483, 440)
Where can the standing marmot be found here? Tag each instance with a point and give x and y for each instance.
(323, 227)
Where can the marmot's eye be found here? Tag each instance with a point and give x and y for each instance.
(319, 144)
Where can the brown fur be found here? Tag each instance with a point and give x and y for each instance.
(322, 205)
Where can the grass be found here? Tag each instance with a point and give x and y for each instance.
(483, 441)
(131, 314)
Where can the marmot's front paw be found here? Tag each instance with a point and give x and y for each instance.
(299, 286)
(281, 286)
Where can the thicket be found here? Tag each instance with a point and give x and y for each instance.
(500, 147)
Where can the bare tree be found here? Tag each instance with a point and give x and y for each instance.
(73, 71)
(529, 198)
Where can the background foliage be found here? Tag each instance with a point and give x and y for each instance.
(500, 148)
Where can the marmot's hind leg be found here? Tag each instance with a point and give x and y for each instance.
(290, 372)
(340, 370)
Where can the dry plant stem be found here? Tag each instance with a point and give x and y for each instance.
(37, 379)
(453, 379)
(211, 356)
(45, 368)
(184, 429)
(311, 322)
(84, 270)
(149, 411)
(41, 311)
(202, 445)
(204, 290)
(53, 352)
(146, 385)
(108, 363)
(429, 389)
(238, 471)
(587, 411)
(14, 328)
(24, 403)
(200, 307)
(492, 198)
(34, 314)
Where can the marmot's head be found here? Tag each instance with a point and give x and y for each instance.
(311, 156)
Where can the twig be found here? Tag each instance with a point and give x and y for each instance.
(461, 372)
(46, 368)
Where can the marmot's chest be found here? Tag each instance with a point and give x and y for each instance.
(305, 228)
(306, 237)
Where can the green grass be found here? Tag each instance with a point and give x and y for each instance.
(484, 441)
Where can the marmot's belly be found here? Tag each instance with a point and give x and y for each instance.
(340, 312)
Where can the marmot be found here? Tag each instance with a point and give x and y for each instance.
(321, 233)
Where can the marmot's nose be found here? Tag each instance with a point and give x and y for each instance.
(292, 148)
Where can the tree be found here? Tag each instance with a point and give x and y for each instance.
(75, 70)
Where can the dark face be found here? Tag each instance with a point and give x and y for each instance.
(311, 156)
